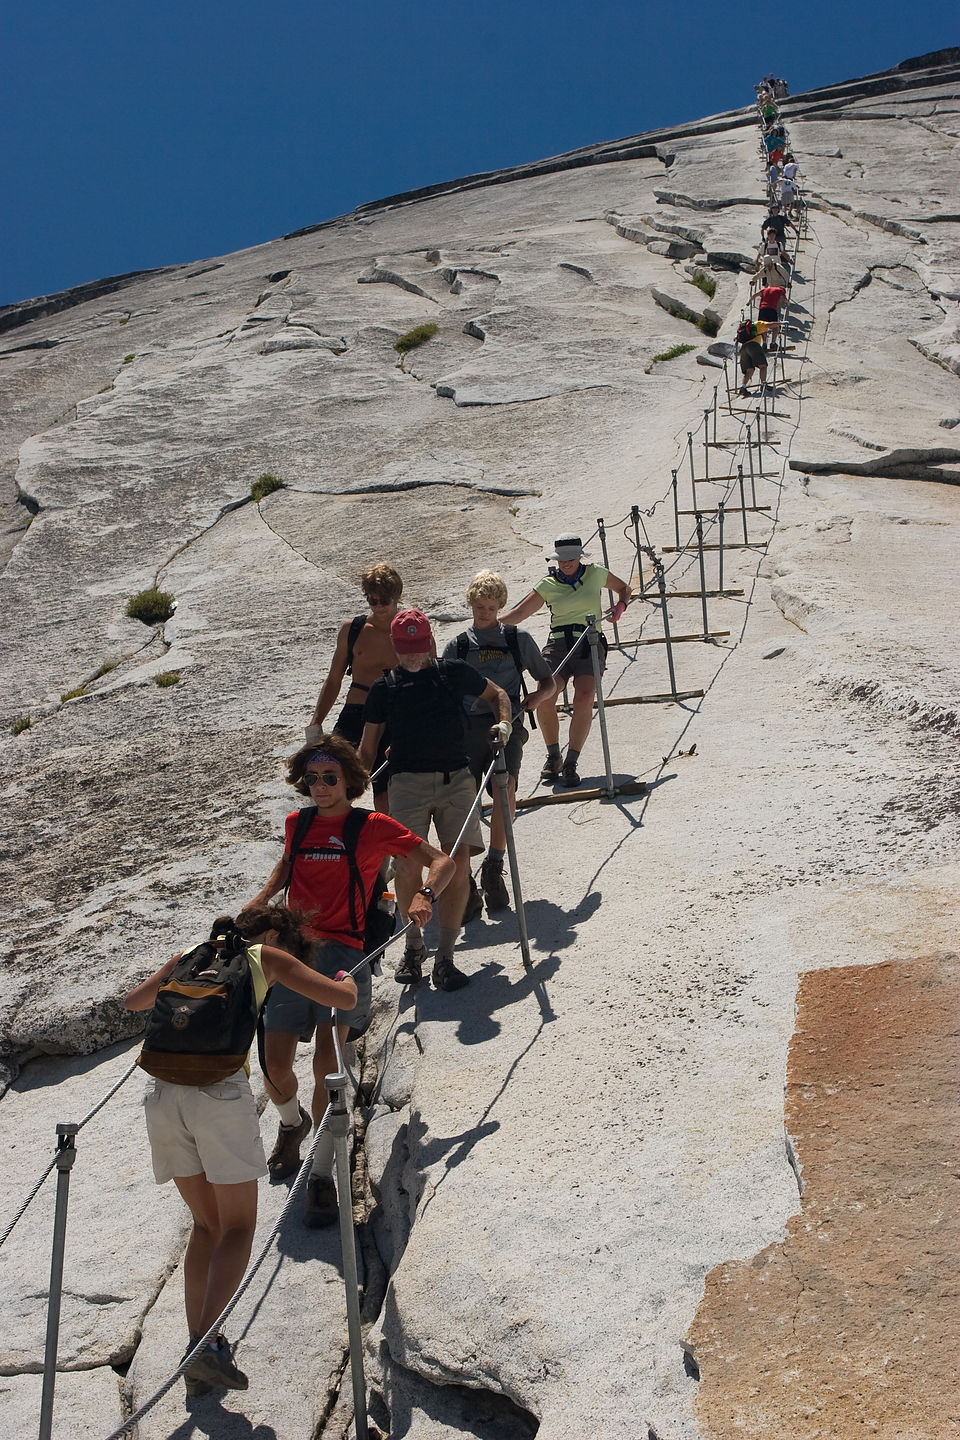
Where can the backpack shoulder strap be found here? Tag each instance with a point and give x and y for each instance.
(353, 823)
(356, 625)
(305, 819)
(463, 645)
(513, 645)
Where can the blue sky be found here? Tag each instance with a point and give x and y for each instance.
(136, 133)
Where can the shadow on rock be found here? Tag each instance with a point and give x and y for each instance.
(491, 989)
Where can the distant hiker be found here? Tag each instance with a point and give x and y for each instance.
(752, 354)
(500, 653)
(330, 864)
(775, 221)
(572, 590)
(363, 651)
(419, 703)
(773, 299)
(201, 1117)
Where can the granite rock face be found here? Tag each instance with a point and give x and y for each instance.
(549, 1163)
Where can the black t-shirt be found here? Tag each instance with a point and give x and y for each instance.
(423, 714)
(777, 223)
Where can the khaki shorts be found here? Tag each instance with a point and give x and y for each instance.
(417, 798)
(210, 1130)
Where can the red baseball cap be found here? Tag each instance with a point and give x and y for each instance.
(410, 632)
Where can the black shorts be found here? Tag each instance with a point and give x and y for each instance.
(350, 726)
(752, 354)
(480, 751)
(768, 312)
(558, 646)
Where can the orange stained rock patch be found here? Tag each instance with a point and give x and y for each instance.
(850, 1326)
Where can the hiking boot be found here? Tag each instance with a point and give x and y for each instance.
(551, 769)
(410, 969)
(285, 1155)
(214, 1367)
(446, 976)
(569, 775)
(494, 887)
(194, 1388)
(744, 392)
(474, 905)
(320, 1205)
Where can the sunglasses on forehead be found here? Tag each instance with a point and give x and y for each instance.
(321, 777)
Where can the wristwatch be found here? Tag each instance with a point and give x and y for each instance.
(425, 890)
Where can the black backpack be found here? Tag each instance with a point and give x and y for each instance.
(378, 925)
(205, 1015)
(746, 330)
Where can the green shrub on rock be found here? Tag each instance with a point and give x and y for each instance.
(152, 606)
(419, 335)
(167, 678)
(263, 487)
(22, 722)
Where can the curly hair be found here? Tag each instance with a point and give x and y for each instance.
(286, 922)
(487, 585)
(382, 581)
(342, 752)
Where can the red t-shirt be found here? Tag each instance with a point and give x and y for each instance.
(772, 295)
(320, 884)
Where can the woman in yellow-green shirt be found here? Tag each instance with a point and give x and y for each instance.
(572, 590)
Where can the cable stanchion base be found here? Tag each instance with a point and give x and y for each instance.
(737, 545)
(695, 594)
(750, 509)
(675, 639)
(592, 792)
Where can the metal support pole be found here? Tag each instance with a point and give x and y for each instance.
(66, 1154)
(720, 513)
(726, 381)
(693, 473)
(339, 1126)
(753, 478)
(593, 638)
(501, 780)
(635, 517)
(706, 444)
(703, 576)
(676, 508)
(662, 587)
(759, 447)
(715, 389)
(743, 503)
(602, 534)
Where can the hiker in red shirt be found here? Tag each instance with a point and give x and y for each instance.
(320, 889)
(773, 300)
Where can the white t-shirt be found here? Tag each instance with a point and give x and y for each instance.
(790, 170)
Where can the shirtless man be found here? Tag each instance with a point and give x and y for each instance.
(372, 654)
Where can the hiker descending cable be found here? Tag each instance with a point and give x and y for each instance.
(330, 868)
(572, 590)
(751, 352)
(500, 653)
(363, 651)
(200, 1113)
(419, 705)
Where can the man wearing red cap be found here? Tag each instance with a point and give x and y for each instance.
(419, 705)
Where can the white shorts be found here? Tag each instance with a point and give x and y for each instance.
(210, 1130)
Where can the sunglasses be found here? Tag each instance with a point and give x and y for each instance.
(325, 777)
(376, 603)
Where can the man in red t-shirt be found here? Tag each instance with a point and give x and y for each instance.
(329, 772)
(772, 300)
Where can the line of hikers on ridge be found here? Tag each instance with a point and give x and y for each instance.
(433, 721)
(298, 967)
(757, 338)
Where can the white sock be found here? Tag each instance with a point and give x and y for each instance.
(323, 1156)
(289, 1110)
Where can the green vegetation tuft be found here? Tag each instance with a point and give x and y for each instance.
(152, 606)
(22, 722)
(672, 353)
(105, 668)
(263, 487)
(169, 677)
(419, 335)
(128, 358)
(709, 327)
(704, 282)
(73, 694)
